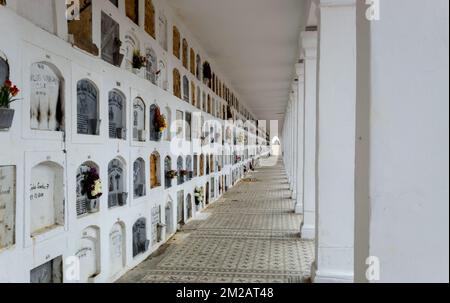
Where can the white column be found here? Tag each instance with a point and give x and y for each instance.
(336, 142)
(309, 42)
(300, 70)
(294, 142)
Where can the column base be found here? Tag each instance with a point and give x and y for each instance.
(330, 277)
(308, 232)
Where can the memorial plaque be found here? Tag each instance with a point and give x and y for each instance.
(162, 77)
(87, 108)
(88, 254)
(150, 18)
(138, 118)
(117, 253)
(180, 207)
(167, 168)
(180, 178)
(154, 170)
(176, 83)
(4, 70)
(46, 108)
(117, 125)
(152, 65)
(130, 44)
(154, 132)
(116, 183)
(139, 178)
(168, 218)
(7, 205)
(132, 10)
(140, 242)
(189, 206)
(49, 272)
(188, 126)
(162, 32)
(185, 54)
(110, 40)
(176, 42)
(156, 219)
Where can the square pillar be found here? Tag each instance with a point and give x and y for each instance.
(309, 43)
(336, 142)
(300, 70)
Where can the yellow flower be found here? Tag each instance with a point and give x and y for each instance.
(97, 188)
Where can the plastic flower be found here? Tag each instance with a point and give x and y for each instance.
(8, 83)
(97, 188)
(14, 90)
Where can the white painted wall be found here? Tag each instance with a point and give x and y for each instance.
(408, 152)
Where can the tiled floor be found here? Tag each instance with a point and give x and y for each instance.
(250, 235)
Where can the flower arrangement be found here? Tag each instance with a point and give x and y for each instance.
(139, 61)
(92, 184)
(199, 195)
(183, 173)
(7, 93)
(171, 174)
(160, 121)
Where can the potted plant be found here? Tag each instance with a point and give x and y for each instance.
(138, 62)
(7, 93)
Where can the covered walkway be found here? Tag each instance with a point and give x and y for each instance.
(250, 235)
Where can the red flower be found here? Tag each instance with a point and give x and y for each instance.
(8, 83)
(14, 91)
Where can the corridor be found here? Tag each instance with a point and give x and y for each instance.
(251, 235)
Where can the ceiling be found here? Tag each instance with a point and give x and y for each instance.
(254, 42)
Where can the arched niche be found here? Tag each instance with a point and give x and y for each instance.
(89, 254)
(155, 170)
(110, 35)
(188, 126)
(139, 120)
(202, 165)
(180, 177)
(167, 168)
(132, 10)
(46, 197)
(207, 165)
(155, 134)
(140, 241)
(156, 224)
(176, 37)
(152, 65)
(193, 98)
(88, 122)
(198, 71)
(46, 97)
(84, 204)
(167, 131)
(195, 166)
(185, 89)
(162, 32)
(117, 114)
(150, 18)
(189, 168)
(207, 193)
(4, 68)
(189, 206)
(168, 214)
(213, 186)
(139, 178)
(130, 43)
(185, 54)
(117, 194)
(162, 75)
(211, 163)
(207, 74)
(192, 61)
(180, 209)
(176, 83)
(117, 251)
(199, 98)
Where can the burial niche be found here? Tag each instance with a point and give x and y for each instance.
(185, 54)
(213, 186)
(86, 203)
(193, 100)
(169, 217)
(179, 123)
(131, 43)
(198, 67)
(7, 206)
(188, 123)
(195, 169)
(41, 13)
(180, 177)
(185, 89)
(167, 169)
(155, 170)
(138, 120)
(161, 75)
(117, 248)
(155, 114)
(152, 65)
(189, 206)
(150, 18)
(167, 133)
(176, 83)
(117, 195)
(207, 193)
(46, 98)
(156, 224)
(111, 41)
(117, 115)
(189, 168)
(89, 254)
(202, 165)
(46, 197)
(139, 178)
(180, 208)
(88, 122)
(49, 272)
(192, 61)
(207, 165)
(132, 10)
(80, 29)
(140, 242)
(162, 33)
(176, 42)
